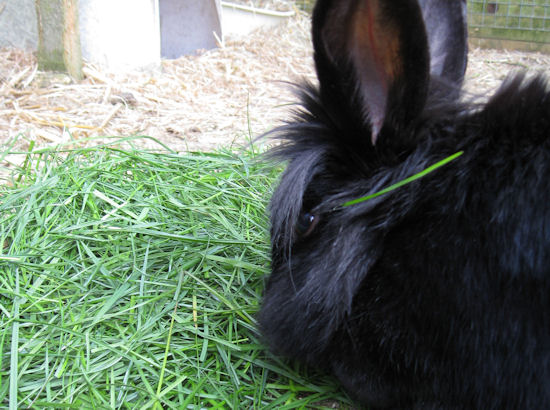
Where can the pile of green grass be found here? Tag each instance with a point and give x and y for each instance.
(131, 279)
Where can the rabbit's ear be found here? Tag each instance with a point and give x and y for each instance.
(372, 57)
(446, 25)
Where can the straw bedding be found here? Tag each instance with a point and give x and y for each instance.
(219, 97)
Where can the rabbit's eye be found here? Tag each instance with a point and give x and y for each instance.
(305, 224)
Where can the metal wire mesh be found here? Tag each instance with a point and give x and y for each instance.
(525, 20)
(522, 20)
(306, 5)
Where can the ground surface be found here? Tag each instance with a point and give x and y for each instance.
(219, 97)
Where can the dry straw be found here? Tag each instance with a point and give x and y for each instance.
(195, 102)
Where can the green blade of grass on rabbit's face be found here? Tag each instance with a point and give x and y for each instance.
(406, 181)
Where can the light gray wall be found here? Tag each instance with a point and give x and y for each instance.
(188, 25)
(18, 24)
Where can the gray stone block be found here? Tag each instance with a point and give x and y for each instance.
(188, 25)
(18, 24)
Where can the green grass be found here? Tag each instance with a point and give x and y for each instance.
(131, 279)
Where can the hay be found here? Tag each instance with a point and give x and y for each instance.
(196, 102)
(488, 68)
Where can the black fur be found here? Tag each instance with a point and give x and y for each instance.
(436, 295)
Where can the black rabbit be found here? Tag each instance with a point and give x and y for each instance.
(435, 295)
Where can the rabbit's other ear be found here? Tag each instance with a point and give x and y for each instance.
(446, 26)
(372, 60)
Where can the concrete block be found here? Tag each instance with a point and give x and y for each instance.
(18, 24)
(118, 35)
(122, 34)
(189, 25)
(50, 34)
(58, 36)
(72, 55)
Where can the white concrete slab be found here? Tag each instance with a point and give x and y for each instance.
(241, 20)
(120, 35)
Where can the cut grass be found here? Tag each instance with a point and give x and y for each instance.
(130, 279)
